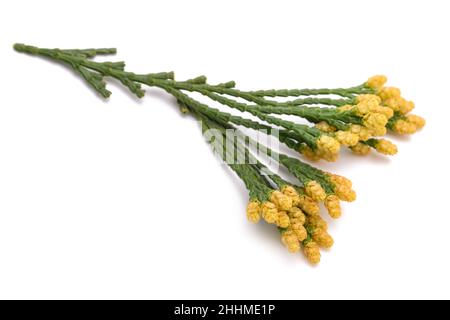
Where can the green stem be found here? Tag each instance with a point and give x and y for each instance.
(344, 92)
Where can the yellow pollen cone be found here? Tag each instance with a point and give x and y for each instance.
(361, 149)
(376, 82)
(269, 212)
(254, 211)
(315, 191)
(333, 206)
(312, 252)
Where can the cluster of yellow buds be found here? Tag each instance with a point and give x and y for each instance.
(294, 233)
(379, 108)
(315, 191)
(328, 148)
(273, 211)
(408, 124)
(403, 123)
(342, 187)
(382, 109)
(307, 230)
(374, 116)
(296, 212)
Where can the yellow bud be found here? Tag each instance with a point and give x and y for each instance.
(297, 214)
(254, 211)
(269, 212)
(406, 106)
(404, 127)
(386, 147)
(394, 103)
(282, 219)
(345, 193)
(308, 205)
(290, 192)
(312, 252)
(376, 123)
(328, 148)
(363, 133)
(317, 222)
(362, 108)
(347, 138)
(389, 92)
(386, 111)
(337, 179)
(322, 238)
(300, 232)
(282, 201)
(333, 206)
(367, 103)
(376, 82)
(315, 191)
(325, 127)
(417, 121)
(289, 239)
(361, 149)
(369, 97)
(380, 131)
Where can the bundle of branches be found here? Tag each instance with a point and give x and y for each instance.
(355, 117)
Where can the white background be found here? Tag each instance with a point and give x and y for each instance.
(124, 199)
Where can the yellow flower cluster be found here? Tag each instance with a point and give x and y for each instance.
(317, 222)
(320, 238)
(342, 188)
(291, 219)
(370, 103)
(347, 138)
(269, 212)
(308, 205)
(315, 191)
(254, 211)
(391, 97)
(375, 117)
(302, 201)
(301, 226)
(277, 209)
(295, 233)
(333, 206)
(361, 149)
(409, 125)
(328, 148)
(290, 192)
(296, 211)
(386, 147)
(376, 123)
(419, 122)
(289, 239)
(312, 252)
(282, 201)
(362, 132)
(376, 82)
